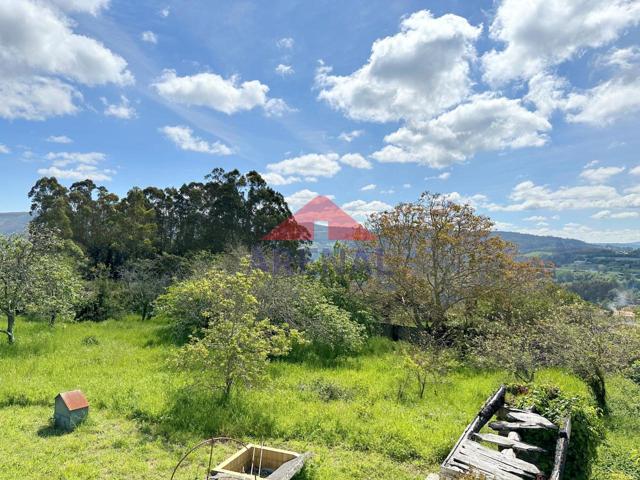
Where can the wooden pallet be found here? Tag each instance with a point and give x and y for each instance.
(470, 455)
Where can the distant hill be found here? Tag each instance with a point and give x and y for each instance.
(14, 222)
(535, 243)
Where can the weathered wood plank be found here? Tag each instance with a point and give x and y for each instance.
(288, 470)
(507, 442)
(487, 411)
(478, 464)
(514, 426)
(512, 463)
(562, 447)
(528, 417)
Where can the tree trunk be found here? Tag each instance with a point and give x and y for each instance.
(52, 320)
(11, 321)
(599, 388)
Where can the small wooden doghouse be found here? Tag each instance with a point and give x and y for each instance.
(71, 409)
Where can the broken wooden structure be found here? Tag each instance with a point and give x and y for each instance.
(495, 456)
(251, 462)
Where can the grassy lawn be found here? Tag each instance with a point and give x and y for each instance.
(143, 417)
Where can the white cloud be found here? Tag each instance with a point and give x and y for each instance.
(406, 185)
(77, 166)
(165, 12)
(592, 163)
(122, 110)
(601, 174)
(485, 123)
(310, 166)
(350, 136)
(87, 6)
(527, 195)
(63, 159)
(607, 102)
(36, 98)
(355, 160)
(276, 107)
(476, 201)
(59, 139)
(547, 92)
(442, 176)
(635, 170)
(284, 70)
(585, 233)
(277, 179)
(286, 43)
(417, 73)
(361, 210)
(539, 34)
(4, 149)
(536, 218)
(149, 37)
(601, 214)
(38, 50)
(390, 191)
(213, 91)
(80, 172)
(366, 188)
(622, 215)
(300, 199)
(184, 138)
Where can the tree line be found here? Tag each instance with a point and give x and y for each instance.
(228, 208)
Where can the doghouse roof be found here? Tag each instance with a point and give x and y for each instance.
(74, 400)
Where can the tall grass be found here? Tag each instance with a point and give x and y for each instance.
(143, 414)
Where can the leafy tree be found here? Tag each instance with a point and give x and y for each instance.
(437, 255)
(146, 279)
(25, 269)
(591, 343)
(50, 207)
(302, 303)
(59, 287)
(235, 345)
(429, 363)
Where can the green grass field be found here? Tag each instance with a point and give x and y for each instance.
(143, 416)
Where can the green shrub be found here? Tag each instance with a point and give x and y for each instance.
(634, 372)
(587, 425)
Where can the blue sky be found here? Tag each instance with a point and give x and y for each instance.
(528, 110)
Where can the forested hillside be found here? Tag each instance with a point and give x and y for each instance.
(13, 222)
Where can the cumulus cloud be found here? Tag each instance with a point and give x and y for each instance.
(612, 99)
(366, 188)
(59, 139)
(77, 166)
(355, 160)
(361, 209)
(350, 136)
(36, 98)
(417, 73)
(284, 70)
(184, 139)
(286, 43)
(121, 110)
(4, 149)
(539, 34)
(527, 195)
(301, 198)
(442, 176)
(210, 90)
(617, 216)
(92, 7)
(149, 37)
(40, 54)
(635, 170)
(601, 174)
(276, 179)
(485, 123)
(536, 218)
(309, 167)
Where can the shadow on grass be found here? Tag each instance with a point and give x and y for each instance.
(50, 430)
(201, 412)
